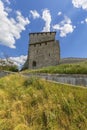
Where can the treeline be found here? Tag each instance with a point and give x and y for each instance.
(8, 65)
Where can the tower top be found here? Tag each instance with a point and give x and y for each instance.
(41, 33)
(41, 37)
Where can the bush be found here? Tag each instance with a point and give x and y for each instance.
(13, 68)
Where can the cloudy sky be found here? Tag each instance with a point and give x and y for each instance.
(18, 18)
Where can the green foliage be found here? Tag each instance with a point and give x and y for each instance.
(75, 68)
(34, 104)
(12, 68)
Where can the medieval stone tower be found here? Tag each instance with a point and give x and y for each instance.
(43, 51)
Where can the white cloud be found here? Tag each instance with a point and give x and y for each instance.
(82, 22)
(35, 14)
(8, 10)
(86, 20)
(80, 4)
(19, 61)
(59, 13)
(64, 27)
(10, 28)
(46, 16)
(8, 1)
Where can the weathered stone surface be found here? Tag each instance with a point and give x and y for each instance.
(43, 50)
(41, 37)
(74, 79)
(5, 73)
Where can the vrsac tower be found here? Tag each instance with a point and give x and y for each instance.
(43, 50)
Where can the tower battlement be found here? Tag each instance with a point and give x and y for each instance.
(41, 37)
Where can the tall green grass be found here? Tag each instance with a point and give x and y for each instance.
(75, 68)
(34, 104)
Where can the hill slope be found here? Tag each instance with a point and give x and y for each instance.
(72, 60)
(74, 68)
(34, 104)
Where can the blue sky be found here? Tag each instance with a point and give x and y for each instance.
(18, 18)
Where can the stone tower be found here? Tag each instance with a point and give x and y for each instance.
(43, 50)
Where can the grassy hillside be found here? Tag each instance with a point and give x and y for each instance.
(74, 68)
(34, 104)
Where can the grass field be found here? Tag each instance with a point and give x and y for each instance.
(75, 68)
(35, 104)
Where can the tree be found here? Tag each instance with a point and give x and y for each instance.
(7, 64)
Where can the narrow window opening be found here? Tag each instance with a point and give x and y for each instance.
(34, 64)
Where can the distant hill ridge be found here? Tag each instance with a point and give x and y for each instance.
(72, 60)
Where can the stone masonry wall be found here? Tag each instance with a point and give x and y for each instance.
(5, 73)
(45, 54)
(73, 79)
(44, 50)
(41, 37)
